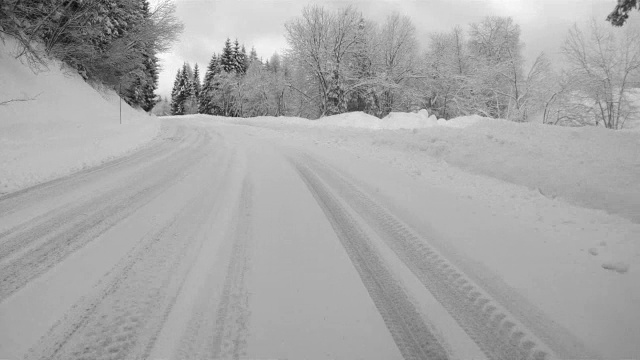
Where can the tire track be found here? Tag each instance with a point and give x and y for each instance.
(488, 321)
(55, 239)
(411, 334)
(122, 317)
(15, 201)
(218, 327)
(146, 160)
(41, 226)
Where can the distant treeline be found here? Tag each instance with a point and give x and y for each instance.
(338, 61)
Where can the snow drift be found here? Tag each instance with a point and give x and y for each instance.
(590, 167)
(65, 126)
(396, 121)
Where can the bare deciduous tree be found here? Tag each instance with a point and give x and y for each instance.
(321, 43)
(398, 46)
(605, 65)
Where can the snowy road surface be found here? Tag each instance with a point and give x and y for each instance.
(224, 241)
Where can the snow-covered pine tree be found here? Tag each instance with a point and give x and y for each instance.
(196, 87)
(148, 98)
(238, 59)
(141, 91)
(209, 86)
(253, 55)
(177, 95)
(186, 83)
(245, 59)
(227, 59)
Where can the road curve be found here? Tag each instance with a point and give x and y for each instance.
(213, 243)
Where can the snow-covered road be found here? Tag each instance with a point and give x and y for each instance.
(227, 241)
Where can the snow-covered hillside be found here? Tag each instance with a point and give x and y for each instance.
(67, 126)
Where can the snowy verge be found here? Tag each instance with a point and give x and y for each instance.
(66, 126)
(589, 167)
(360, 120)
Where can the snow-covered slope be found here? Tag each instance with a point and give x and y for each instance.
(67, 126)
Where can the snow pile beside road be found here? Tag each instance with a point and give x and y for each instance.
(67, 126)
(360, 120)
(589, 167)
(396, 121)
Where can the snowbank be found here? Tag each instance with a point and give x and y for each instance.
(67, 125)
(396, 120)
(360, 120)
(590, 167)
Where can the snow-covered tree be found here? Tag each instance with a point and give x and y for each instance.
(114, 42)
(228, 57)
(398, 45)
(495, 46)
(447, 70)
(322, 44)
(253, 56)
(604, 68)
(182, 99)
(162, 107)
(209, 86)
(196, 88)
(240, 58)
(178, 96)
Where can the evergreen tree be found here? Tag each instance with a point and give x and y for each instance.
(113, 42)
(253, 56)
(190, 102)
(177, 95)
(196, 81)
(148, 99)
(181, 96)
(238, 61)
(228, 59)
(196, 87)
(209, 86)
(245, 60)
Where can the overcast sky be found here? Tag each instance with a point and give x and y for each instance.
(260, 23)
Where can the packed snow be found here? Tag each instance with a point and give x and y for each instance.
(64, 125)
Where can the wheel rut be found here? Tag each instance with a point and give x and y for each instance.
(123, 315)
(412, 335)
(481, 311)
(219, 324)
(31, 249)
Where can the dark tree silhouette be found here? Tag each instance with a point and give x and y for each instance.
(620, 13)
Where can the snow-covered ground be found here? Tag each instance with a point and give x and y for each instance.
(589, 167)
(345, 237)
(68, 126)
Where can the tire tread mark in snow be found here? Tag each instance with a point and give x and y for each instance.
(412, 336)
(493, 329)
(230, 336)
(69, 220)
(144, 161)
(13, 201)
(123, 316)
(63, 241)
(218, 326)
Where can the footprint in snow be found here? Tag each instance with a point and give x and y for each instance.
(617, 266)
